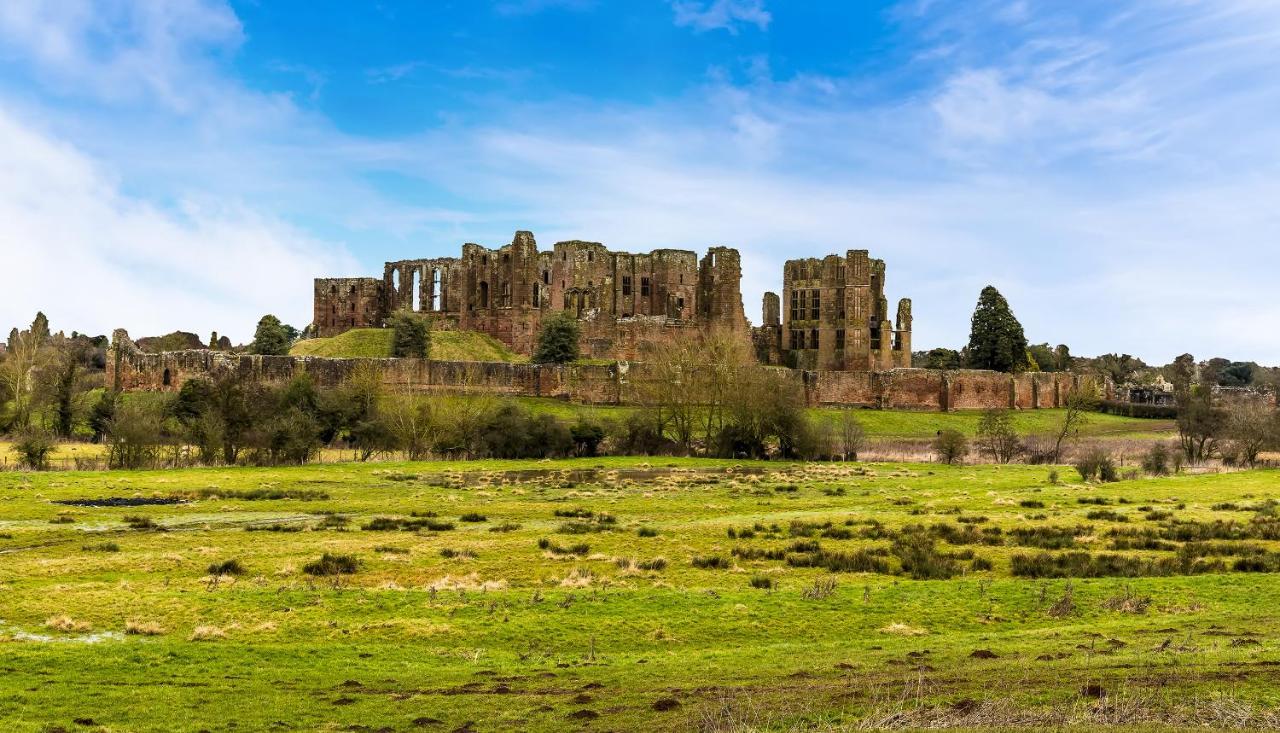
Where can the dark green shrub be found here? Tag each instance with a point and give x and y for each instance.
(558, 340)
(226, 567)
(331, 565)
(1156, 460)
(410, 335)
(34, 446)
(951, 446)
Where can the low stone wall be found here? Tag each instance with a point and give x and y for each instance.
(131, 370)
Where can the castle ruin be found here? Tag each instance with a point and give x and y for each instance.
(622, 299)
(834, 316)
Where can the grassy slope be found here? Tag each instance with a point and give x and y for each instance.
(532, 650)
(374, 343)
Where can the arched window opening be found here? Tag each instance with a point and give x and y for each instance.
(167, 378)
(395, 281)
(416, 303)
(484, 295)
(437, 297)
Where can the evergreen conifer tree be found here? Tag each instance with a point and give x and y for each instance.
(996, 340)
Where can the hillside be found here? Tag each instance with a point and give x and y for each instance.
(375, 343)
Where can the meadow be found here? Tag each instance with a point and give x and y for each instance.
(627, 594)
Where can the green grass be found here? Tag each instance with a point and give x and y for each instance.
(917, 425)
(470, 346)
(375, 343)
(359, 343)
(907, 424)
(470, 624)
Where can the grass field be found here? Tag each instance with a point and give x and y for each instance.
(609, 594)
(913, 424)
(375, 343)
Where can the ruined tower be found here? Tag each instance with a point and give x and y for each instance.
(836, 316)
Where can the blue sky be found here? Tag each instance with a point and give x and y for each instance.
(1111, 166)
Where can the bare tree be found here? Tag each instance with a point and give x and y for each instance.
(997, 437)
(853, 438)
(1078, 405)
(1251, 427)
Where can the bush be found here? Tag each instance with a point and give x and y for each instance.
(762, 582)
(587, 437)
(1156, 461)
(512, 431)
(473, 517)
(33, 448)
(332, 565)
(1096, 463)
(410, 335)
(226, 567)
(647, 532)
(711, 562)
(920, 558)
(951, 446)
(558, 340)
(638, 435)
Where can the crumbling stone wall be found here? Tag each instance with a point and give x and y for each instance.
(835, 316)
(506, 292)
(131, 370)
(344, 303)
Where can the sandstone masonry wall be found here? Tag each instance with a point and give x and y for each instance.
(131, 370)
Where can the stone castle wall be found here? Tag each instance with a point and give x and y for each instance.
(131, 370)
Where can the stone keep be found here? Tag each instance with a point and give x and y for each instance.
(835, 317)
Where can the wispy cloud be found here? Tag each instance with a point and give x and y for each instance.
(397, 72)
(728, 15)
(530, 7)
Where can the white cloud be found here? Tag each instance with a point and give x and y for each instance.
(118, 49)
(726, 15)
(93, 258)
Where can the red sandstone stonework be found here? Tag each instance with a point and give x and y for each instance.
(620, 298)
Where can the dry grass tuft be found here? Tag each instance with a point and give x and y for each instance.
(63, 622)
(206, 633)
(471, 581)
(143, 628)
